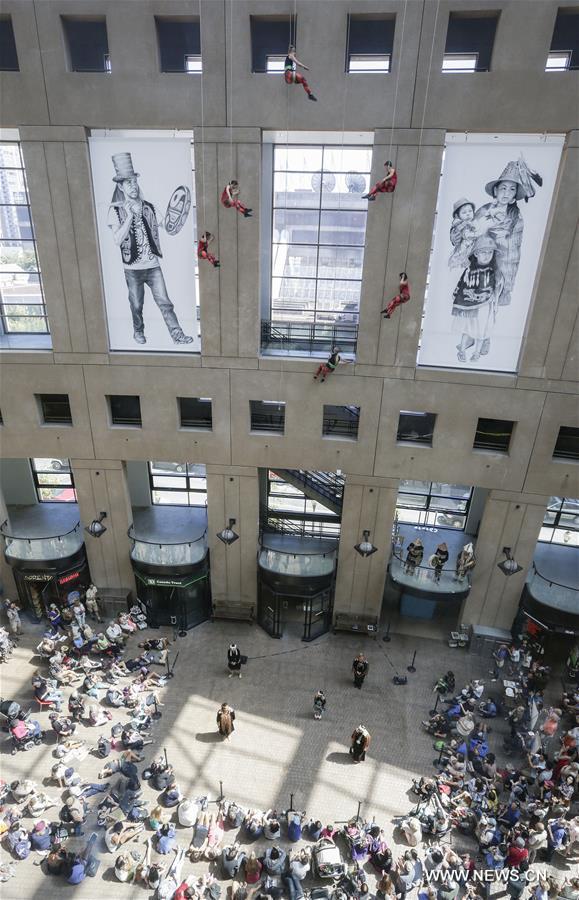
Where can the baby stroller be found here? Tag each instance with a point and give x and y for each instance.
(327, 859)
(25, 735)
(357, 840)
(10, 712)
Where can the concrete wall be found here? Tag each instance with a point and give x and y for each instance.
(16, 482)
(409, 111)
(138, 483)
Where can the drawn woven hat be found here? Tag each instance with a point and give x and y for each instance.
(123, 163)
(509, 173)
(485, 242)
(462, 201)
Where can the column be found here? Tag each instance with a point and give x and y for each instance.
(7, 583)
(369, 504)
(102, 486)
(509, 520)
(233, 493)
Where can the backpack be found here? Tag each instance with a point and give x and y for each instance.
(103, 748)
(22, 850)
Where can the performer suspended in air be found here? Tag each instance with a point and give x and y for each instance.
(229, 199)
(386, 185)
(292, 76)
(402, 297)
(203, 249)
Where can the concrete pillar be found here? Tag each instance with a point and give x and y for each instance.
(233, 493)
(369, 504)
(102, 487)
(509, 520)
(7, 583)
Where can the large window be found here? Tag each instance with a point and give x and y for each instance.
(289, 510)
(22, 307)
(177, 484)
(561, 522)
(433, 503)
(53, 480)
(87, 44)
(179, 45)
(318, 232)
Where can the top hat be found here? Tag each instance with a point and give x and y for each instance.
(509, 173)
(461, 202)
(123, 164)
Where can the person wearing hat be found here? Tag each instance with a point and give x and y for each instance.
(463, 232)
(465, 562)
(135, 229)
(414, 555)
(475, 299)
(438, 560)
(403, 296)
(360, 743)
(386, 185)
(40, 837)
(234, 660)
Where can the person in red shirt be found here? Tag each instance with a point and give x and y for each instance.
(229, 199)
(203, 249)
(402, 297)
(517, 853)
(386, 185)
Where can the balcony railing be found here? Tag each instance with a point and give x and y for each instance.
(309, 337)
(167, 553)
(57, 546)
(423, 578)
(306, 563)
(564, 597)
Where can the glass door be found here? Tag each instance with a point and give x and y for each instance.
(269, 608)
(317, 615)
(195, 603)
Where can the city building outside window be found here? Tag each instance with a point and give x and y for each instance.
(53, 480)
(22, 308)
(432, 503)
(561, 522)
(177, 484)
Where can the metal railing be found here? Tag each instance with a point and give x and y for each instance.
(424, 577)
(54, 546)
(326, 484)
(310, 337)
(167, 553)
(555, 593)
(320, 527)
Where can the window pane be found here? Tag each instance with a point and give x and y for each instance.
(348, 159)
(17, 255)
(342, 227)
(422, 487)
(347, 193)
(562, 536)
(162, 466)
(10, 156)
(447, 503)
(570, 505)
(415, 500)
(197, 484)
(296, 261)
(198, 498)
(293, 293)
(21, 320)
(54, 479)
(339, 295)
(170, 498)
(197, 469)
(549, 518)
(295, 190)
(451, 490)
(49, 464)
(167, 481)
(297, 159)
(15, 223)
(56, 495)
(295, 226)
(13, 187)
(337, 263)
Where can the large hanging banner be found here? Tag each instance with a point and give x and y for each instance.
(143, 189)
(493, 207)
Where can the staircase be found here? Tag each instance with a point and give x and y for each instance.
(326, 488)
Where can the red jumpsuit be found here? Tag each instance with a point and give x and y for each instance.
(233, 202)
(382, 187)
(203, 253)
(402, 297)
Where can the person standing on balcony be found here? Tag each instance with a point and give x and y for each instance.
(438, 560)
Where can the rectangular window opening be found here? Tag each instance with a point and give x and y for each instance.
(561, 522)
(432, 504)
(469, 41)
(177, 483)
(493, 434)
(8, 53)
(370, 40)
(53, 480)
(55, 409)
(416, 427)
(87, 44)
(179, 41)
(196, 412)
(341, 421)
(267, 415)
(567, 444)
(564, 51)
(270, 39)
(368, 64)
(125, 410)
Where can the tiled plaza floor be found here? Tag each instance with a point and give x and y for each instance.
(277, 749)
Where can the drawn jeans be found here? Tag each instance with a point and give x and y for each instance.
(136, 280)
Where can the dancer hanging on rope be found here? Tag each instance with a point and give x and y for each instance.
(402, 297)
(203, 249)
(292, 76)
(229, 199)
(386, 185)
(326, 368)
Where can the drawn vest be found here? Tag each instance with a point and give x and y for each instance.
(129, 250)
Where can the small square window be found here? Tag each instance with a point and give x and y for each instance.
(179, 42)
(125, 410)
(469, 41)
(369, 44)
(55, 409)
(267, 415)
(564, 50)
(195, 412)
(8, 54)
(341, 422)
(270, 39)
(416, 427)
(493, 434)
(87, 43)
(567, 446)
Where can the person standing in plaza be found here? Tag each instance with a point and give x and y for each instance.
(360, 743)
(234, 660)
(360, 668)
(225, 719)
(13, 613)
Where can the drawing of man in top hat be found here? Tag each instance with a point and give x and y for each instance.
(135, 229)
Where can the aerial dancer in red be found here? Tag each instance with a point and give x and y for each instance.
(402, 297)
(229, 199)
(203, 249)
(386, 185)
(292, 76)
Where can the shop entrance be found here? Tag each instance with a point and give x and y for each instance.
(185, 602)
(278, 611)
(38, 589)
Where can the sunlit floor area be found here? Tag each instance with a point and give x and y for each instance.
(278, 752)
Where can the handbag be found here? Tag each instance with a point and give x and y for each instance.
(243, 660)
